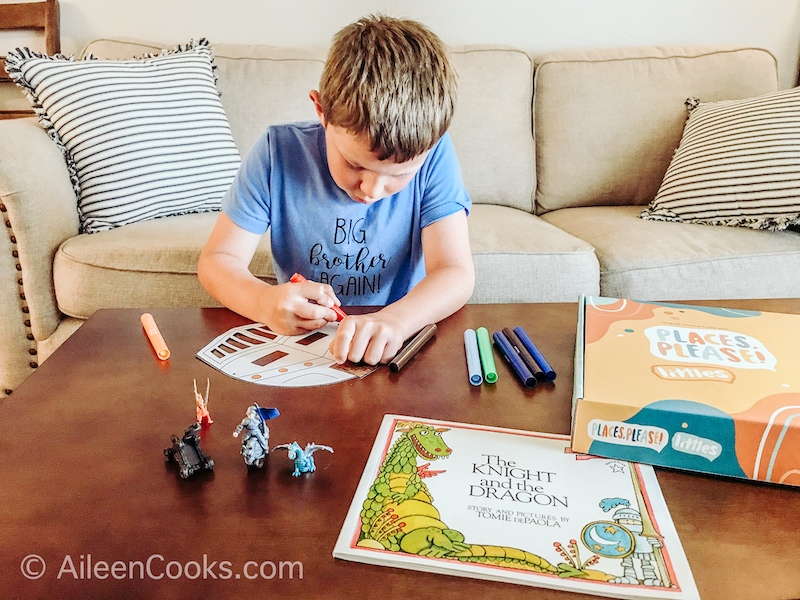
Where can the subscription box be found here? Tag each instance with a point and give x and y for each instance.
(706, 389)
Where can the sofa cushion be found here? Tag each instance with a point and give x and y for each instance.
(519, 257)
(608, 121)
(491, 128)
(150, 264)
(263, 85)
(738, 164)
(142, 138)
(653, 260)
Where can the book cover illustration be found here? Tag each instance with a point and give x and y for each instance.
(702, 388)
(512, 506)
(256, 354)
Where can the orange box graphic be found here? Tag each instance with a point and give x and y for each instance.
(707, 389)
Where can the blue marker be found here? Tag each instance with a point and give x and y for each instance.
(508, 352)
(526, 356)
(473, 358)
(547, 370)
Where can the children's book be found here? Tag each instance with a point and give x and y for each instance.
(708, 389)
(512, 506)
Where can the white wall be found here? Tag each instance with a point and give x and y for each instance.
(533, 25)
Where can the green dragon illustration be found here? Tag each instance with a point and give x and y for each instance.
(398, 513)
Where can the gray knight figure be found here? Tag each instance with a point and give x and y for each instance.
(255, 442)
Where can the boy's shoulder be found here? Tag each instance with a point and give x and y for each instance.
(295, 128)
(298, 134)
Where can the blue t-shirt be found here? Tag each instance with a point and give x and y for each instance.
(370, 254)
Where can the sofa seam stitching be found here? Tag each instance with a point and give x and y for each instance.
(23, 302)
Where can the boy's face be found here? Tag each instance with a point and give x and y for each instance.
(356, 169)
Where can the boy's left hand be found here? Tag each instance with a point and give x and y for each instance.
(372, 338)
(449, 280)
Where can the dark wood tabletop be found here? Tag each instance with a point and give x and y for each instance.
(86, 494)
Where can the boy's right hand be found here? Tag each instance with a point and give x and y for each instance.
(285, 308)
(299, 307)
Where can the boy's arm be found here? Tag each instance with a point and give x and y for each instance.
(448, 284)
(223, 271)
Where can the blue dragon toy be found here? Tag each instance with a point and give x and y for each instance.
(303, 458)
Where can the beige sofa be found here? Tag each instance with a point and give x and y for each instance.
(555, 214)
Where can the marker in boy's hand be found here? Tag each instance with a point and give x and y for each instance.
(340, 314)
(295, 308)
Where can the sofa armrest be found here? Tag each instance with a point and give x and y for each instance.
(39, 211)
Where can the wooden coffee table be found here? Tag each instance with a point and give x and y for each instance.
(85, 490)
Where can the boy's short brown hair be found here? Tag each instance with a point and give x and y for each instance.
(390, 80)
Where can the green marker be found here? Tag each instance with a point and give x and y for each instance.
(487, 358)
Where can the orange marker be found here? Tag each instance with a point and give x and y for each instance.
(154, 335)
(340, 314)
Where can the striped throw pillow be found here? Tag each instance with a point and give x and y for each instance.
(738, 164)
(143, 138)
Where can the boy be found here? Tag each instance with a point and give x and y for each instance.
(368, 204)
